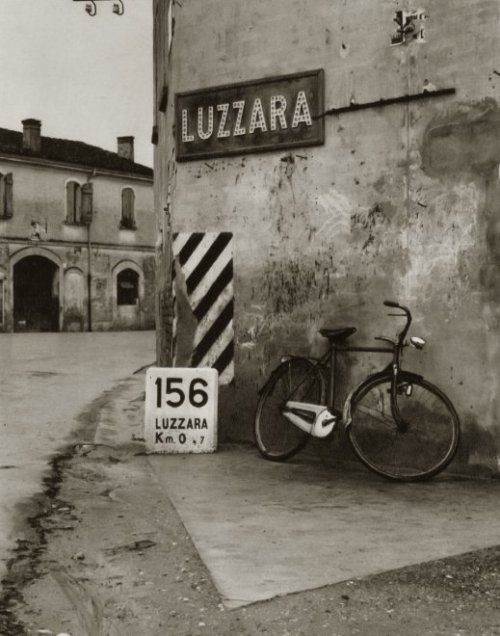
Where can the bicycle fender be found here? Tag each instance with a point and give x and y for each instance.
(381, 375)
(276, 370)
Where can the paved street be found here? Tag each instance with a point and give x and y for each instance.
(188, 545)
(46, 380)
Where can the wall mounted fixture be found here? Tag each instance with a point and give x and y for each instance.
(91, 6)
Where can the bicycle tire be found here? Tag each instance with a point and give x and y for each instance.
(418, 453)
(277, 439)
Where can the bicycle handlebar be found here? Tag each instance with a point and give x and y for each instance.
(407, 314)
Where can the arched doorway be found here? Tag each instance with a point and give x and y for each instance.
(36, 294)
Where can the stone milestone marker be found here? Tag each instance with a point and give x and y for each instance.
(181, 410)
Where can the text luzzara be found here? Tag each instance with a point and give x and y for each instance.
(238, 118)
(181, 423)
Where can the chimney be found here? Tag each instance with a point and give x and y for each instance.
(32, 140)
(126, 147)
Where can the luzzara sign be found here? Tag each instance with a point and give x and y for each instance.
(181, 410)
(268, 114)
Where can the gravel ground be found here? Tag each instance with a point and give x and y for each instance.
(105, 554)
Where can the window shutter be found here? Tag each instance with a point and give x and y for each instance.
(8, 198)
(87, 203)
(69, 202)
(2, 196)
(128, 213)
(72, 202)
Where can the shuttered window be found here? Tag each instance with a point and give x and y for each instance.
(87, 208)
(73, 203)
(128, 209)
(6, 196)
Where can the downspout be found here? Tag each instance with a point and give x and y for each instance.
(89, 262)
(89, 278)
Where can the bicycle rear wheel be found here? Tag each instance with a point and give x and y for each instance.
(424, 448)
(276, 437)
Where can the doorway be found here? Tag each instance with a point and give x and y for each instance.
(36, 294)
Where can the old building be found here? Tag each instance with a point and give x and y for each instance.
(351, 151)
(77, 233)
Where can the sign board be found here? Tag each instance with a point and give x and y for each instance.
(267, 114)
(181, 410)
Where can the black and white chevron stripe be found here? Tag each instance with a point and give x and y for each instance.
(206, 262)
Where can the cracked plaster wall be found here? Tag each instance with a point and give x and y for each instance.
(401, 202)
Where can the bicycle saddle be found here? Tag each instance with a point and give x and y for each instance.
(341, 333)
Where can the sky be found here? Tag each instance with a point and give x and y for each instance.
(86, 78)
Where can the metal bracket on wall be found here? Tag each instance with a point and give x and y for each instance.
(154, 135)
(387, 102)
(162, 106)
(410, 27)
(91, 7)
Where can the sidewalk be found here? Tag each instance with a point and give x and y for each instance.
(119, 561)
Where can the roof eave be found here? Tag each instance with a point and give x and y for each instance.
(40, 161)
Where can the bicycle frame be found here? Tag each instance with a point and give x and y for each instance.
(390, 418)
(331, 355)
(328, 364)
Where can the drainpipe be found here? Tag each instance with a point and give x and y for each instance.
(87, 210)
(89, 279)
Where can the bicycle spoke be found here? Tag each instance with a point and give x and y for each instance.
(276, 437)
(380, 417)
(422, 448)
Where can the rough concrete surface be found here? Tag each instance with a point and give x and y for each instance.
(109, 555)
(248, 515)
(42, 393)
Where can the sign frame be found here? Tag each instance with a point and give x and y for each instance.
(181, 410)
(317, 76)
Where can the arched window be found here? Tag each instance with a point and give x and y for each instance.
(128, 209)
(127, 287)
(6, 196)
(73, 203)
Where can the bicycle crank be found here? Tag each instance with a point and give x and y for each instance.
(314, 419)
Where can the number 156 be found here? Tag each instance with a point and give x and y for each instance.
(197, 396)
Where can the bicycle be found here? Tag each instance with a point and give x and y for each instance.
(399, 425)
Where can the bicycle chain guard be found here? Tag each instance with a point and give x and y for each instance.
(314, 419)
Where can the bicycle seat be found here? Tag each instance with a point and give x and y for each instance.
(336, 335)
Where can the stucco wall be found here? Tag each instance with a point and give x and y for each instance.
(39, 196)
(39, 227)
(71, 286)
(401, 202)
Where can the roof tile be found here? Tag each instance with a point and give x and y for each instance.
(72, 152)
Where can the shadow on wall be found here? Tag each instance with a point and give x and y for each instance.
(465, 141)
(476, 452)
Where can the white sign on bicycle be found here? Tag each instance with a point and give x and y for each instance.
(181, 410)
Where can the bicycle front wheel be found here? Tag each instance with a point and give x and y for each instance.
(276, 437)
(418, 451)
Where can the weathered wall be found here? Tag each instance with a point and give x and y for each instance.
(401, 202)
(72, 286)
(40, 197)
(38, 226)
